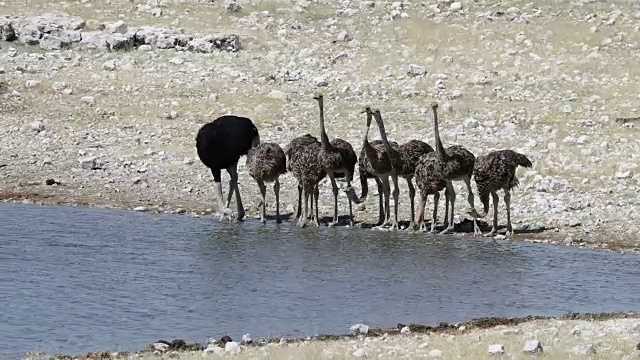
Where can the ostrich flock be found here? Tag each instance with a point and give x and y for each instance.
(222, 142)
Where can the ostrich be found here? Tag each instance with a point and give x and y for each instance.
(338, 160)
(296, 145)
(307, 169)
(374, 163)
(430, 182)
(403, 161)
(492, 172)
(266, 162)
(455, 164)
(220, 144)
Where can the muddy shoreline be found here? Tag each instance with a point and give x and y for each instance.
(55, 195)
(179, 345)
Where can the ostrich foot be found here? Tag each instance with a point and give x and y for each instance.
(333, 223)
(412, 226)
(263, 220)
(423, 227)
(302, 223)
(509, 233)
(491, 233)
(225, 214)
(447, 230)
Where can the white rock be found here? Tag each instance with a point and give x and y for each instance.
(532, 346)
(232, 6)
(416, 70)
(624, 174)
(357, 329)
(246, 338)
(471, 123)
(88, 163)
(320, 81)
(88, 99)
(456, 94)
(161, 346)
(359, 353)
(213, 349)
(435, 353)
(232, 347)
(496, 349)
(117, 27)
(31, 83)
(278, 95)
(343, 36)
(455, 6)
(110, 65)
(405, 330)
(140, 208)
(37, 126)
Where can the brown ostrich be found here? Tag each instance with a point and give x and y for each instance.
(266, 162)
(492, 172)
(455, 163)
(338, 160)
(296, 145)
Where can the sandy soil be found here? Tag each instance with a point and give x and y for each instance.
(117, 128)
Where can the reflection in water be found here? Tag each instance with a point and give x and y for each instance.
(77, 279)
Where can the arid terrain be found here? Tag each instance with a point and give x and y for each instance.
(104, 98)
(572, 336)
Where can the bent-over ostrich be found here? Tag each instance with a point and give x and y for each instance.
(374, 163)
(309, 172)
(455, 163)
(266, 162)
(492, 172)
(220, 144)
(430, 181)
(295, 146)
(403, 161)
(338, 160)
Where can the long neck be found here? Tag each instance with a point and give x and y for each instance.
(383, 133)
(324, 139)
(439, 147)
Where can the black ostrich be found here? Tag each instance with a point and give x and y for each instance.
(220, 145)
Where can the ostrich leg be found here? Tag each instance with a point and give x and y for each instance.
(507, 201)
(386, 191)
(450, 197)
(351, 223)
(334, 187)
(396, 193)
(263, 192)
(299, 211)
(224, 212)
(436, 199)
(494, 226)
(314, 199)
(380, 202)
(276, 190)
(233, 171)
(302, 221)
(412, 195)
(423, 204)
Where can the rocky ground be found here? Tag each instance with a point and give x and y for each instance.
(575, 336)
(104, 99)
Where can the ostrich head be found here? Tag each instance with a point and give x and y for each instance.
(434, 105)
(319, 97)
(368, 111)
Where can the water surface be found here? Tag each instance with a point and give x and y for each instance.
(80, 279)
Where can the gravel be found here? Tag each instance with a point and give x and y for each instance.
(87, 91)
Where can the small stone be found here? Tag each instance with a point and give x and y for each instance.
(416, 70)
(110, 65)
(32, 83)
(232, 347)
(455, 6)
(343, 36)
(435, 353)
(358, 329)
(187, 161)
(405, 330)
(456, 94)
(117, 27)
(142, 208)
(624, 174)
(532, 346)
(320, 81)
(589, 349)
(37, 126)
(278, 95)
(160, 346)
(246, 339)
(88, 99)
(496, 349)
(232, 6)
(471, 123)
(359, 353)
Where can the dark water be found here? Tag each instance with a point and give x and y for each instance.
(76, 279)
